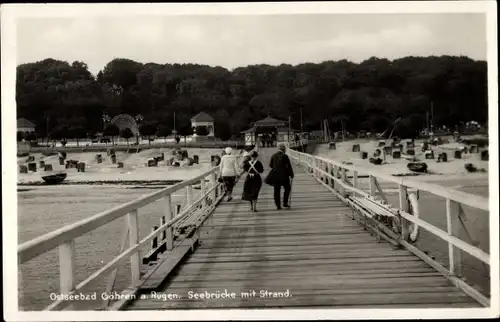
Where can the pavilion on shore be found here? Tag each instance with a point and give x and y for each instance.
(270, 127)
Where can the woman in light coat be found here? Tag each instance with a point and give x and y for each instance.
(229, 171)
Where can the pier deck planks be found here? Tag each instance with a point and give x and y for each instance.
(315, 250)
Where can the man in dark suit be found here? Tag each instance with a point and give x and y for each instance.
(283, 172)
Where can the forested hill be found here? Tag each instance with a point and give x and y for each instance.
(367, 96)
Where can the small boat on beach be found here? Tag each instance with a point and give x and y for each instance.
(417, 166)
(55, 178)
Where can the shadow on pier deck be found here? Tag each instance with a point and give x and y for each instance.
(316, 251)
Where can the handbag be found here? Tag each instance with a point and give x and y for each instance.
(270, 178)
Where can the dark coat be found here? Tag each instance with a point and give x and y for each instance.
(281, 168)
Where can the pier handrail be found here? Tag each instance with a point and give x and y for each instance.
(332, 171)
(64, 238)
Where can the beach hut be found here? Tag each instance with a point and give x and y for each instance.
(443, 157)
(32, 166)
(80, 166)
(152, 162)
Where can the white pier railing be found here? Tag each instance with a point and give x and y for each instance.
(332, 174)
(64, 238)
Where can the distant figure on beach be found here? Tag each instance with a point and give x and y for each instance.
(229, 171)
(177, 139)
(281, 175)
(253, 181)
(263, 140)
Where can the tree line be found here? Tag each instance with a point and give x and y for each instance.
(66, 100)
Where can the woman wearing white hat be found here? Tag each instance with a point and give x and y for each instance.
(229, 171)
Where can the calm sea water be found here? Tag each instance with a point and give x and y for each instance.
(45, 209)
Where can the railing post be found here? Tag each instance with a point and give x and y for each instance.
(373, 187)
(355, 182)
(164, 231)
(320, 168)
(133, 237)
(453, 227)
(343, 178)
(67, 267)
(403, 205)
(333, 173)
(167, 210)
(213, 183)
(189, 196)
(203, 189)
(325, 169)
(154, 242)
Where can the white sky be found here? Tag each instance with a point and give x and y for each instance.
(234, 41)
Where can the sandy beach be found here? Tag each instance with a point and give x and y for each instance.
(135, 167)
(453, 168)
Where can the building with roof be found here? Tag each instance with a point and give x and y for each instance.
(203, 119)
(268, 126)
(25, 126)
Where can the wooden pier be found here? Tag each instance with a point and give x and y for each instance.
(315, 250)
(330, 249)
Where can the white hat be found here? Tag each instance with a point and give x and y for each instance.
(228, 150)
